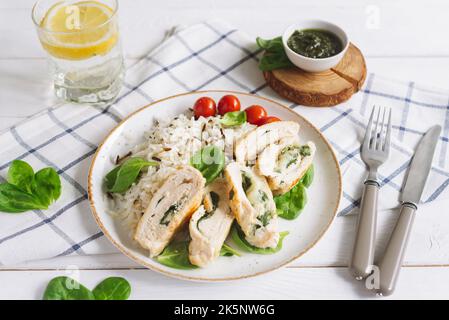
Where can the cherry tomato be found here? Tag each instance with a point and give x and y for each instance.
(227, 104)
(204, 107)
(266, 120)
(255, 113)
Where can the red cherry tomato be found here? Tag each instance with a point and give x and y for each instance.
(266, 120)
(255, 113)
(204, 107)
(227, 104)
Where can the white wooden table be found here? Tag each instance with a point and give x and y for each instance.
(401, 39)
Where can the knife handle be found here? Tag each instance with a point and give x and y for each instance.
(363, 253)
(390, 265)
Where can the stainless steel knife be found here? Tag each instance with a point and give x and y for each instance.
(390, 264)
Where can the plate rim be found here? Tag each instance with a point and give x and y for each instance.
(134, 258)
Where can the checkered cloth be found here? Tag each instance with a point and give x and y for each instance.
(205, 56)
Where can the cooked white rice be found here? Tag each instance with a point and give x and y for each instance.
(173, 143)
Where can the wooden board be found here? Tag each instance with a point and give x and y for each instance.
(321, 89)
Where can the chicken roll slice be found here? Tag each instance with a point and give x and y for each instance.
(284, 163)
(253, 205)
(175, 201)
(210, 224)
(251, 144)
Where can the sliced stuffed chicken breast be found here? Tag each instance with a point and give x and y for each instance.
(284, 163)
(173, 204)
(253, 205)
(210, 224)
(251, 144)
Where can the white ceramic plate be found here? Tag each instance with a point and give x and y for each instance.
(323, 195)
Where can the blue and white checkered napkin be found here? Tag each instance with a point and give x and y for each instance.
(205, 56)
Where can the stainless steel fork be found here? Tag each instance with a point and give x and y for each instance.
(375, 151)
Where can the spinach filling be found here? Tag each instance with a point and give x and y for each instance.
(231, 194)
(305, 151)
(265, 218)
(246, 181)
(258, 199)
(263, 196)
(171, 211)
(215, 199)
(290, 156)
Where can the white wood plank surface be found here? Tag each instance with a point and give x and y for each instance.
(401, 39)
(287, 283)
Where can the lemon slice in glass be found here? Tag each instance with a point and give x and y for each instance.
(79, 30)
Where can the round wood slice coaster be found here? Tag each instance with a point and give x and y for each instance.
(321, 89)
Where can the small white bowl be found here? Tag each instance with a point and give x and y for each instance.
(315, 64)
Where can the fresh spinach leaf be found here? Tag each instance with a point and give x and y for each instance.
(307, 179)
(274, 57)
(209, 161)
(270, 44)
(228, 251)
(46, 186)
(176, 255)
(238, 237)
(274, 60)
(21, 175)
(290, 204)
(14, 200)
(122, 177)
(112, 288)
(65, 288)
(26, 190)
(234, 118)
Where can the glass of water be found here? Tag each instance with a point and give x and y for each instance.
(82, 41)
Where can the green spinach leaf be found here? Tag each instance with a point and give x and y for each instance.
(21, 175)
(238, 237)
(228, 251)
(122, 177)
(112, 288)
(46, 186)
(290, 204)
(307, 179)
(176, 255)
(26, 190)
(14, 200)
(274, 57)
(274, 44)
(209, 161)
(65, 288)
(234, 118)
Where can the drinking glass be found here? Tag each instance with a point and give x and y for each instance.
(82, 42)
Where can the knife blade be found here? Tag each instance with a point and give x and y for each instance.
(420, 166)
(391, 262)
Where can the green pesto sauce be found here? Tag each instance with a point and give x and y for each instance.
(315, 43)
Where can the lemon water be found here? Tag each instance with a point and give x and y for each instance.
(96, 80)
(83, 46)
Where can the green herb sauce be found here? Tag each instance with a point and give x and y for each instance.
(315, 43)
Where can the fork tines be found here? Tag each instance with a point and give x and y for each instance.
(377, 136)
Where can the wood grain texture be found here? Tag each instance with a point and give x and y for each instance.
(287, 283)
(321, 89)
